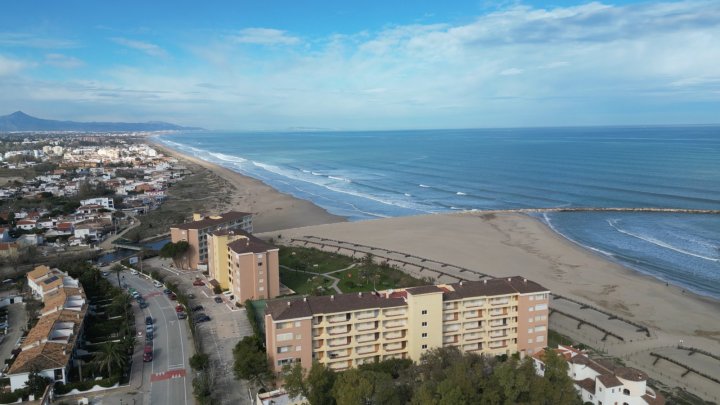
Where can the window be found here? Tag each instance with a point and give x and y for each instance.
(626, 391)
(424, 324)
(284, 336)
(298, 348)
(540, 339)
(260, 281)
(540, 307)
(539, 329)
(259, 263)
(261, 289)
(297, 324)
(285, 361)
(283, 349)
(424, 335)
(424, 312)
(530, 340)
(424, 346)
(530, 330)
(298, 336)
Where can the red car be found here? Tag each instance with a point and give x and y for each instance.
(198, 283)
(173, 297)
(148, 353)
(179, 308)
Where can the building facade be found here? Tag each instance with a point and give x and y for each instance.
(196, 233)
(494, 317)
(603, 383)
(244, 264)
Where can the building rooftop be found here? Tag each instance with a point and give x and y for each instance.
(289, 309)
(213, 220)
(249, 244)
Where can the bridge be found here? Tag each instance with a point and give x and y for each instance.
(599, 209)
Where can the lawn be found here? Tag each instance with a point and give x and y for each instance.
(311, 259)
(304, 283)
(375, 277)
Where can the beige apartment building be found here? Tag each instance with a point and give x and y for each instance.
(196, 233)
(243, 264)
(493, 317)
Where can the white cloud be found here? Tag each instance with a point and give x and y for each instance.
(10, 66)
(264, 36)
(63, 61)
(146, 47)
(24, 40)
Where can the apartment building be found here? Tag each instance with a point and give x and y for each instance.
(50, 346)
(494, 317)
(603, 383)
(244, 264)
(196, 233)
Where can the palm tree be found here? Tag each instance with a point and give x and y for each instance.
(117, 268)
(111, 354)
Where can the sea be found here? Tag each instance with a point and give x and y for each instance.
(378, 174)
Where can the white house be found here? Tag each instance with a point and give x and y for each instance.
(105, 202)
(26, 224)
(603, 384)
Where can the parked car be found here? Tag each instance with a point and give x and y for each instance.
(218, 300)
(199, 318)
(133, 272)
(197, 308)
(191, 296)
(157, 284)
(105, 273)
(172, 296)
(181, 315)
(149, 337)
(179, 308)
(149, 328)
(143, 305)
(198, 283)
(148, 353)
(167, 291)
(148, 320)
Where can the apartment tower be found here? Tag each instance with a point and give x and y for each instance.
(494, 317)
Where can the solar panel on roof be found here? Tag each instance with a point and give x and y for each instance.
(50, 280)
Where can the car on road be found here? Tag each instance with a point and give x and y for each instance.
(179, 308)
(149, 337)
(172, 297)
(167, 291)
(198, 283)
(197, 308)
(181, 315)
(143, 305)
(149, 328)
(199, 318)
(157, 284)
(105, 273)
(133, 272)
(148, 353)
(218, 300)
(148, 320)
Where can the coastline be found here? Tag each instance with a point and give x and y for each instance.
(271, 209)
(506, 244)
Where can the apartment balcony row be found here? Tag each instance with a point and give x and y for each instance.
(500, 301)
(498, 344)
(398, 334)
(369, 337)
(340, 365)
(474, 314)
(367, 349)
(472, 347)
(394, 324)
(370, 314)
(394, 347)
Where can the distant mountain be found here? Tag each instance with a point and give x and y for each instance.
(19, 121)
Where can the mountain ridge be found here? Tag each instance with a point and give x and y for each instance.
(20, 121)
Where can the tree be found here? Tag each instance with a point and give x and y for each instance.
(316, 386)
(117, 269)
(37, 383)
(560, 388)
(250, 361)
(175, 251)
(364, 387)
(111, 355)
(199, 361)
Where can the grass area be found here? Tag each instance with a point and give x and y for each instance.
(306, 259)
(363, 277)
(555, 338)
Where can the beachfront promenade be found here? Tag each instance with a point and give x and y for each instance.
(601, 209)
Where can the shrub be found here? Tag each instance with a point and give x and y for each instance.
(82, 386)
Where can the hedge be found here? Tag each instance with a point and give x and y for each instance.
(11, 397)
(82, 386)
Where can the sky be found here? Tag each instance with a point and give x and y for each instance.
(287, 65)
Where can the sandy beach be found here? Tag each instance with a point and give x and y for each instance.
(272, 209)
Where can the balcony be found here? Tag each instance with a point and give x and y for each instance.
(318, 332)
(366, 349)
(318, 344)
(339, 365)
(473, 336)
(366, 326)
(474, 303)
(338, 354)
(394, 312)
(450, 339)
(366, 338)
(450, 306)
(498, 324)
(471, 347)
(497, 345)
(391, 347)
(366, 315)
(338, 318)
(394, 335)
(500, 301)
(338, 330)
(339, 342)
(451, 329)
(394, 324)
(471, 315)
(450, 317)
(472, 325)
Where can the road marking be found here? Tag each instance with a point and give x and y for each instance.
(176, 366)
(156, 377)
(204, 293)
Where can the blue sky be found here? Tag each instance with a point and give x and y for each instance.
(276, 65)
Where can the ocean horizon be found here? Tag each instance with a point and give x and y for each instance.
(375, 174)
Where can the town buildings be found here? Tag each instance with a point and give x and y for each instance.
(49, 346)
(495, 316)
(603, 383)
(243, 264)
(196, 233)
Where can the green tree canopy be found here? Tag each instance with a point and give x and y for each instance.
(250, 361)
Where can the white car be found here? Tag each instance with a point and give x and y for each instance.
(133, 272)
(157, 284)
